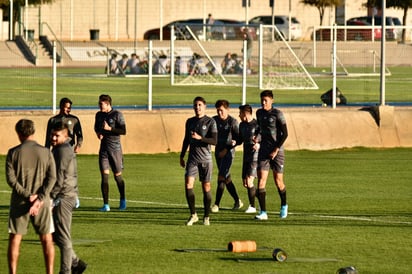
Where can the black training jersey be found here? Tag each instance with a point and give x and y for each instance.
(272, 129)
(199, 150)
(247, 132)
(111, 139)
(73, 124)
(227, 131)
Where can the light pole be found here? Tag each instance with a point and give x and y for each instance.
(11, 34)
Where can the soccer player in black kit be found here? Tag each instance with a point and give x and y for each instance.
(200, 134)
(109, 125)
(272, 134)
(227, 138)
(248, 129)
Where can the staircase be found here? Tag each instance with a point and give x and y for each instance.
(38, 56)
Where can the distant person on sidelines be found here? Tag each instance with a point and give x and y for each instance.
(272, 135)
(31, 173)
(73, 123)
(113, 65)
(209, 31)
(248, 128)
(200, 134)
(109, 125)
(227, 138)
(64, 194)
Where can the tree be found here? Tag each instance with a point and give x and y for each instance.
(17, 4)
(398, 4)
(321, 5)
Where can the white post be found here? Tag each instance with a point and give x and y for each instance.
(245, 69)
(161, 19)
(11, 25)
(383, 56)
(54, 77)
(26, 21)
(172, 56)
(260, 57)
(71, 19)
(334, 66)
(150, 76)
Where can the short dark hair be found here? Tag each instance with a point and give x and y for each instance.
(60, 125)
(64, 101)
(25, 127)
(246, 108)
(266, 93)
(224, 103)
(105, 98)
(199, 98)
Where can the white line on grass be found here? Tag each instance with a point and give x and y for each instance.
(349, 218)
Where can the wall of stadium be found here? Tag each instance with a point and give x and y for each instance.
(129, 19)
(309, 128)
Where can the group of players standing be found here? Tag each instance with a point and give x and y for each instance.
(41, 179)
(262, 140)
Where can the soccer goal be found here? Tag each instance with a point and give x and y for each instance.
(272, 64)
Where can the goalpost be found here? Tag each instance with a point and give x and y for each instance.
(274, 64)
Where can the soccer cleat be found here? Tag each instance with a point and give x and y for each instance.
(262, 216)
(238, 205)
(122, 205)
(251, 209)
(283, 211)
(105, 208)
(79, 268)
(215, 208)
(206, 221)
(77, 205)
(193, 219)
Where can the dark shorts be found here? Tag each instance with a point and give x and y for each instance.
(224, 164)
(19, 219)
(277, 164)
(111, 159)
(204, 170)
(249, 169)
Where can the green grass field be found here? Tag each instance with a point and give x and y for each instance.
(347, 207)
(28, 87)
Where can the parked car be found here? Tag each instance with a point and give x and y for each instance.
(282, 23)
(391, 33)
(222, 29)
(357, 34)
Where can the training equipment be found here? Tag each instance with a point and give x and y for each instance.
(242, 246)
(283, 211)
(347, 270)
(279, 255)
(193, 219)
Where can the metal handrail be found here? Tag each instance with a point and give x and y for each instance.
(60, 47)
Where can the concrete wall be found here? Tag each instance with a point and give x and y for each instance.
(309, 128)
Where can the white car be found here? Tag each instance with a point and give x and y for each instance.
(282, 23)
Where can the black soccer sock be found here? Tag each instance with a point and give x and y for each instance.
(251, 193)
(232, 190)
(207, 201)
(120, 185)
(282, 195)
(261, 194)
(219, 191)
(190, 198)
(105, 188)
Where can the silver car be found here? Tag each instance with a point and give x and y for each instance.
(282, 23)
